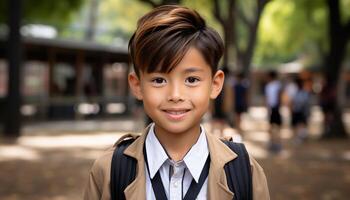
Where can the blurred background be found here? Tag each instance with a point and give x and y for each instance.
(64, 96)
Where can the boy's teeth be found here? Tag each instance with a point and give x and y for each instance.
(176, 112)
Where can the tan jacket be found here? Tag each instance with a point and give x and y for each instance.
(98, 185)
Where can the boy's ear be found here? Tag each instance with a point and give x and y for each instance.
(135, 85)
(217, 84)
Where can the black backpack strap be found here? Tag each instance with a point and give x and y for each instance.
(238, 172)
(123, 170)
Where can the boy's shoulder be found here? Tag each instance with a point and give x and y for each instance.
(103, 163)
(127, 137)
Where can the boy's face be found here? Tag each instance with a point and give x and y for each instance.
(176, 101)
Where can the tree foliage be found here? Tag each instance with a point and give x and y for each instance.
(240, 21)
(292, 29)
(57, 13)
(120, 17)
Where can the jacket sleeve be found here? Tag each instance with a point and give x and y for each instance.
(260, 187)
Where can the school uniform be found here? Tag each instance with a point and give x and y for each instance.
(273, 91)
(215, 186)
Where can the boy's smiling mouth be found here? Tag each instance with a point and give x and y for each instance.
(176, 114)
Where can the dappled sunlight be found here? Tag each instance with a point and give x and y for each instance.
(87, 154)
(100, 141)
(120, 125)
(255, 119)
(257, 151)
(316, 114)
(346, 155)
(258, 112)
(257, 136)
(286, 133)
(346, 118)
(33, 148)
(15, 152)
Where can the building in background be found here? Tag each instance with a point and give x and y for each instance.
(69, 80)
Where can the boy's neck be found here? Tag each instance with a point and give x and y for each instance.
(177, 144)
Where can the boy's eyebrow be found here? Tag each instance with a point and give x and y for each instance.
(193, 69)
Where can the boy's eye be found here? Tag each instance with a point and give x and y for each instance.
(192, 80)
(158, 81)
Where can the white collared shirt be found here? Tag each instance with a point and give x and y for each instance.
(182, 172)
(272, 91)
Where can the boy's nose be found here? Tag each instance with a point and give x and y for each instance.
(175, 94)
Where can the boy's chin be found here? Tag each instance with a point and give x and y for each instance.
(178, 128)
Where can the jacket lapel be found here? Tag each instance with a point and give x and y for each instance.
(220, 154)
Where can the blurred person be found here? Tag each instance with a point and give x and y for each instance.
(273, 93)
(300, 107)
(328, 96)
(290, 89)
(175, 56)
(240, 100)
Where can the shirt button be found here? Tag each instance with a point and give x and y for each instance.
(176, 184)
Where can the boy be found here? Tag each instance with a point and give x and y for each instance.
(175, 57)
(273, 92)
(300, 111)
(240, 98)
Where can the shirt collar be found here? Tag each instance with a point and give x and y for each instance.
(156, 154)
(194, 160)
(197, 156)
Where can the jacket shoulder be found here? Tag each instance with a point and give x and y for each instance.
(101, 167)
(98, 183)
(102, 164)
(260, 186)
(98, 186)
(126, 137)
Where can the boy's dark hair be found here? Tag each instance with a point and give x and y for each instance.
(272, 74)
(299, 82)
(164, 35)
(240, 75)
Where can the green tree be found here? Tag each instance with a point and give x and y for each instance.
(56, 13)
(240, 21)
(290, 29)
(121, 22)
(316, 30)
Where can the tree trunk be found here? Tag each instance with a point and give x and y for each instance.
(92, 20)
(12, 126)
(229, 35)
(246, 56)
(228, 26)
(334, 125)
